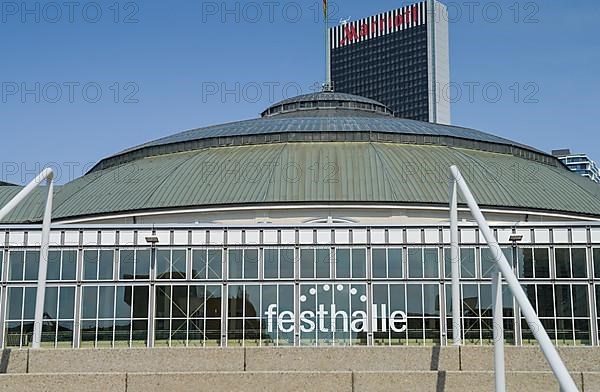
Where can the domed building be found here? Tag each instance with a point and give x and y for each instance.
(319, 157)
(237, 234)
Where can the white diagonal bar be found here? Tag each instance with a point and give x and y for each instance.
(556, 364)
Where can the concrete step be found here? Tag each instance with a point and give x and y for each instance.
(584, 359)
(439, 381)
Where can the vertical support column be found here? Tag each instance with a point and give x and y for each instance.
(152, 293)
(43, 267)
(498, 326)
(455, 266)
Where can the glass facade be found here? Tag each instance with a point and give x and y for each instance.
(299, 287)
(391, 69)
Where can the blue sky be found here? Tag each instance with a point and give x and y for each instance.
(84, 81)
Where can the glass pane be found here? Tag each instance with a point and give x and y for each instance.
(582, 332)
(579, 262)
(485, 300)
(431, 263)
(580, 301)
(179, 264)
(142, 263)
(564, 331)
(236, 301)
(215, 263)
(235, 263)
(431, 299)
(213, 301)
(196, 302)
(69, 265)
(105, 271)
(526, 263)
(199, 264)
(467, 262)
(252, 301)
(53, 265)
(106, 302)
(122, 333)
(163, 264)
(16, 265)
(271, 263)
(286, 262)
(123, 302)
(470, 300)
(415, 262)
(414, 300)
(126, 264)
(29, 303)
(378, 261)
(542, 263)
(487, 263)
(66, 305)
(323, 263)
(140, 301)
(88, 333)
(89, 302)
(597, 263)
(64, 336)
(90, 265)
(447, 263)
(32, 263)
(179, 302)
(163, 301)
(251, 264)
(563, 300)
(15, 303)
(359, 263)
(563, 268)
(51, 303)
(545, 298)
(342, 266)
(307, 263)
(395, 263)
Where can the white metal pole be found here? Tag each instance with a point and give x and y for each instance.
(46, 173)
(455, 265)
(498, 326)
(328, 85)
(558, 367)
(43, 268)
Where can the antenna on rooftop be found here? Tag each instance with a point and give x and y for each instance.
(328, 85)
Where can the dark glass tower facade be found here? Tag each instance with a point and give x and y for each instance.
(399, 58)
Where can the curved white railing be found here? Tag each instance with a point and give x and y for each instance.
(503, 269)
(48, 175)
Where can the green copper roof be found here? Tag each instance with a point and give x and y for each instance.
(318, 172)
(317, 148)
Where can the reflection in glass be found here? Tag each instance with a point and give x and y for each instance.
(467, 262)
(579, 262)
(415, 262)
(16, 265)
(32, 262)
(235, 263)
(562, 262)
(379, 263)
(542, 263)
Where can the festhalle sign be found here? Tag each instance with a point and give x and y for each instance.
(326, 318)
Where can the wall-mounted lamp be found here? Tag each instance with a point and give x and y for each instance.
(152, 239)
(515, 237)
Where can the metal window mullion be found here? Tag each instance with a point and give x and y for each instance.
(225, 308)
